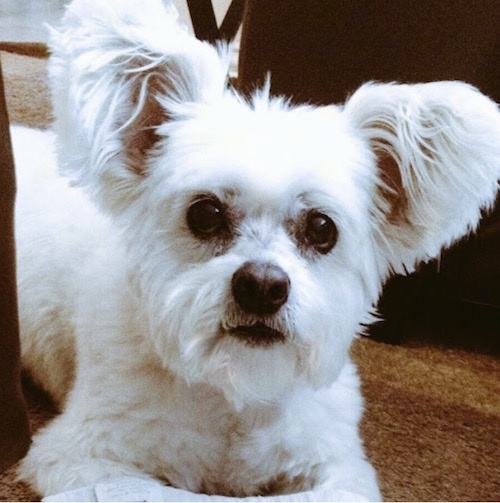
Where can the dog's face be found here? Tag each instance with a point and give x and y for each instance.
(259, 235)
(259, 259)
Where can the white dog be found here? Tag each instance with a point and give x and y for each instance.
(189, 299)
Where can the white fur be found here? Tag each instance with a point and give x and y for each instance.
(125, 314)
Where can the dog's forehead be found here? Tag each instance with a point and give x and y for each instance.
(270, 149)
(274, 133)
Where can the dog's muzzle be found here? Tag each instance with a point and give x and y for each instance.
(259, 289)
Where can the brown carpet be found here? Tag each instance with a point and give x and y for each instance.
(432, 422)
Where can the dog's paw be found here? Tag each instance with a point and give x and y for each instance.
(56, 463)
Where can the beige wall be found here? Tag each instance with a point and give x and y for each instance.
(23, 20)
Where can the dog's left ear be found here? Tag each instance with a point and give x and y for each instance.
(120, 69)
(437, 152)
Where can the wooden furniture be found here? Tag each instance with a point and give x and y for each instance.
(14, 428)
(204, 22)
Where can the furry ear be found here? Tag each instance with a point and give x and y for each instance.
(437, 147)
(119, 69)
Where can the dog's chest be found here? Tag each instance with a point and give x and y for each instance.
(209, 448)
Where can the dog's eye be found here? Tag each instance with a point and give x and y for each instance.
(320, 233)
(206, 218)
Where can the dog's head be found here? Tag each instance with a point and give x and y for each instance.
(259, 235)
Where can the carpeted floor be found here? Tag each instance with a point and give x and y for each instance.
(432, 421)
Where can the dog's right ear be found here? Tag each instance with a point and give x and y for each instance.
(119, 69)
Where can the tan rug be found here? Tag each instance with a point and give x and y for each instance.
(432, 422)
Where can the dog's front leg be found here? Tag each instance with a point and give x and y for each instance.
(62, 458)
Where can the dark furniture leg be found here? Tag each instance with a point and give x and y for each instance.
(14, 426)
(204, 22)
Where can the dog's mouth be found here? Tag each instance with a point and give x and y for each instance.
(257, 334)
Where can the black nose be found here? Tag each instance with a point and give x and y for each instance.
(260, 288)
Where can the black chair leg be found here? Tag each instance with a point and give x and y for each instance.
(205, 24)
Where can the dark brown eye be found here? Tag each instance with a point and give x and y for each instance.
(320, 233)
(206, 218)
